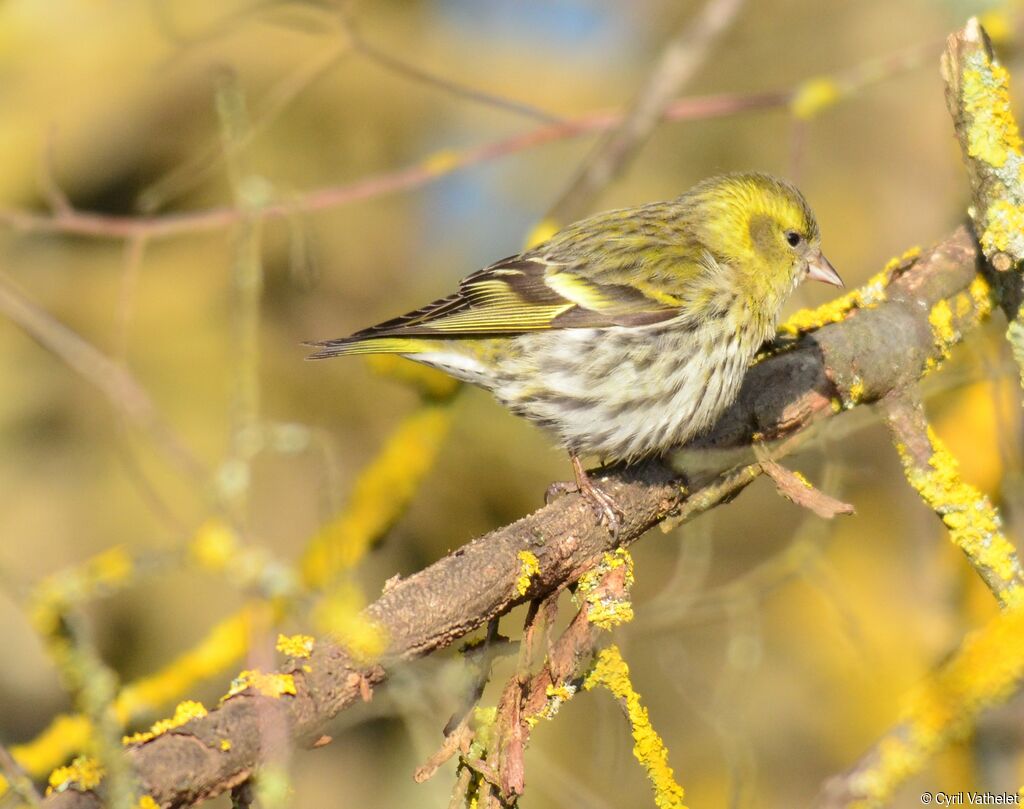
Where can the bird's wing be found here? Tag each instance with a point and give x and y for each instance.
(521, 294)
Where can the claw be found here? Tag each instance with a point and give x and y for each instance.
(604, 505)
(560, 488)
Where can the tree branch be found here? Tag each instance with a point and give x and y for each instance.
(805, 99)
(977, 96)
(680, 60)
(872, 351)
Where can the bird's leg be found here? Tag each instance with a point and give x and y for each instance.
(603, 504)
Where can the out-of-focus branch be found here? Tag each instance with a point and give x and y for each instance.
(379, 497)
(440, 164)
(113, 380)
(346, 41)
(977, 95)
(985, 671)
(400, 67)
(806, 99)
(973, 523)
(679, 61)
(18, 780)
(869, 352)
(988, 664)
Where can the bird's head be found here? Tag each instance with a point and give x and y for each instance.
(764, 229)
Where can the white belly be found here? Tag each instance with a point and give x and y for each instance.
(623, 394)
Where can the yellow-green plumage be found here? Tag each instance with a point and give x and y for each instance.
(630, 331)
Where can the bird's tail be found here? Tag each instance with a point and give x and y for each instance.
(366, 345)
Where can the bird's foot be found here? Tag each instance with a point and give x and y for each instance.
(604, 505)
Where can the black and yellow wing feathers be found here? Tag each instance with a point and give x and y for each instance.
(513, 296)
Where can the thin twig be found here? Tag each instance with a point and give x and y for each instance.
(103, 226)
(210, 158)
(18, 780)
(55, 196)
(685, 53)
(115, 382)
(796, 489)
(94, 687)
(408, 70)
(134, 249)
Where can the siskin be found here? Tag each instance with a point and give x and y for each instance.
(628, 332)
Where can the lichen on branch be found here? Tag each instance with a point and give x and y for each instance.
(978, 97)
(973, 521)
(985, 671)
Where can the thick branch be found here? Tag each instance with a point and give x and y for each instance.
(868, 354)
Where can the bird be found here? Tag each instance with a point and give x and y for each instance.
(628, 332)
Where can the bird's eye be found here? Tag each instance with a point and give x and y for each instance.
(793, 238)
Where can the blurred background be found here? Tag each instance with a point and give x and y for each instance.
(770, 647)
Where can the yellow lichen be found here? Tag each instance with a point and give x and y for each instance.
(557, 696)
(611, 672)
(972, 520)
(482, 723)
(986, 670)
(992, 134)
(605, 610)
(296, 645)
(380, 496)
(993, 141)
(98, 575)
(1004, 223)
(871, 294)
(214, 545)
(949, 318)
(529, 566)
(82, 774)
(225, 643)
(980, 293)
(185, 712)
(855, 393)
(813, 96)
(225, 745)
(113, 566)
(146, 802)
(945, 335)
(272, 684)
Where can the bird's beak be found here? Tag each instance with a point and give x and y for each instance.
(820, 269)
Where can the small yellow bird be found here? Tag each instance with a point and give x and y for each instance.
(628, 332)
